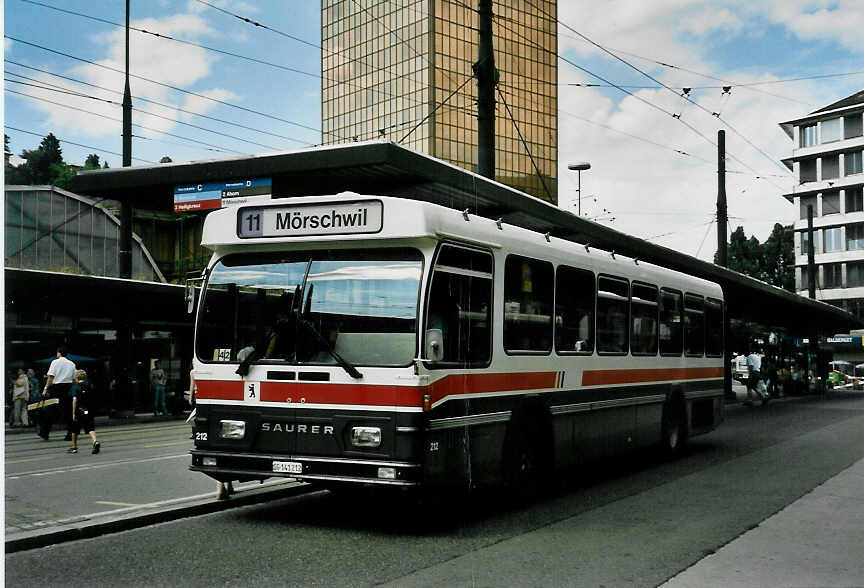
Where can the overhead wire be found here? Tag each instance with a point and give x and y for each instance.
(655, 80)
(100, 149)
(158, 83)
(525, 145)
(145, 112)
(90, 112)
(157, 103)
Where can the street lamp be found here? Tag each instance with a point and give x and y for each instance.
(578, 167)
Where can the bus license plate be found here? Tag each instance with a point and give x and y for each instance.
(288, 467)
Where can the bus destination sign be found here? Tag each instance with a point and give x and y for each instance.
(208, 196)
(342, 218)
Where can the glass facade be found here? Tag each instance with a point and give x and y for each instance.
(402, 71)
(57, 231)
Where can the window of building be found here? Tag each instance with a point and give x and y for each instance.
(853, 163)
(643, 312)
(830, 167)
(713, 327)
(806, 201)
(460, 304)
(671, 331)
(852, 126)
(855, 274)
(831, 240)
(694, 324)
(855, 237)
(613, 305)
(528, 293)
(807, 171)
(854, 200)
(831, 202)
(574, 310)
(807, 135)
(805, 237)
(805, 284)
(831, 130)
(832, 275)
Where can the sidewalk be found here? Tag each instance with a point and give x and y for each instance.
(818, 540)
(103, 421)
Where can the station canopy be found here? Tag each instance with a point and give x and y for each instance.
(387, 169)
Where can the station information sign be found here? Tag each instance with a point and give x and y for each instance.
(212, 195)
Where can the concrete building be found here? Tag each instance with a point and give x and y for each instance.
(827, 162)
(402, 71)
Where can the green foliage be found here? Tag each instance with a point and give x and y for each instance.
(45, 165)
(772, 262)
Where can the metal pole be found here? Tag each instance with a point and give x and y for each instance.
(811, 256)
(722, 217)
(579, 189)
(487, 78)
(124, 261)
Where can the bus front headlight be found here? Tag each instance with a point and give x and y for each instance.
(232, 429)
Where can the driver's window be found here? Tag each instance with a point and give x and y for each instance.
(460, 306)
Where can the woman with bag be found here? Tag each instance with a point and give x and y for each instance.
(20, 397)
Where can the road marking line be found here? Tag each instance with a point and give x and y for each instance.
(151, 446)
(109, 503)
(64, 470)
(44, 457)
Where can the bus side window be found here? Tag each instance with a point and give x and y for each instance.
(460, 306)
(613, 309)
(713, 327)
(643, 309)
(528, 298)
(694, 325)
(671, 328)
(574, 310)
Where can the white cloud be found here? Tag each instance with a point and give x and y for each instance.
(171, 63)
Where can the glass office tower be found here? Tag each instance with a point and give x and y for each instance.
(401, 70)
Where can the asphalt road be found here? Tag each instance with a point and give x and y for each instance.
(634, 522)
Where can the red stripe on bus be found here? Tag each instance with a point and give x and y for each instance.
(609, 377)
(219, 390)
(371, 395)
(366, 394)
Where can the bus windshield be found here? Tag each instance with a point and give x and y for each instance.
(315, 307)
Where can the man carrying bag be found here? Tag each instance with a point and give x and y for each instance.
(57, 385)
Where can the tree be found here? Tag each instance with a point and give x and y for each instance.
(772, 262)
(92, 162)
(39, 166)
(165, 159)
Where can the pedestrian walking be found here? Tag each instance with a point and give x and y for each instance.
(59, 380)
(35, 396)
(157, 381)
(82, 412)
(20, 397)
(754, 363)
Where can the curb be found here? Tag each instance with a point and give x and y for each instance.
(88, 529)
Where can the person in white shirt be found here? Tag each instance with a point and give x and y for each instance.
(57, 384)
(754, 364)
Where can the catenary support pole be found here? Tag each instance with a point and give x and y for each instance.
(722, 217)
(487, 79)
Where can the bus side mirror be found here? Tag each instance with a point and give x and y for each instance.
(434, 345)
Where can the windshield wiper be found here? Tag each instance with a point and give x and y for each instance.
(343, 363)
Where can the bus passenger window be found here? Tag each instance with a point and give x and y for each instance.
(460, 306)
(694, 324)
(613, 309)
(643, 309)
(671, 330)
(713, 327)
(574, 310)
(528, 299)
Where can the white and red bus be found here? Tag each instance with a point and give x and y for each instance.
(379, 340)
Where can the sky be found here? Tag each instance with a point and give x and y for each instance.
(254, 89)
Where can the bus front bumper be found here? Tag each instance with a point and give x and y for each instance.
(225, 466)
